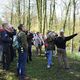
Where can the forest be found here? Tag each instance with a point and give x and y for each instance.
(41, 16)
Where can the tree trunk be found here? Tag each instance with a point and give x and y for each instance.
(39, 11)
(64, 25)
(74, 21)
(45, 17)
(12, 13)
(50, 20)
(19, 12)
(29, 17)
(24, 12)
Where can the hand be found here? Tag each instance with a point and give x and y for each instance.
(78, 32)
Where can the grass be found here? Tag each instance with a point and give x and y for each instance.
(37, 70)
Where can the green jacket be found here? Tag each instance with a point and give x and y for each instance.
(23, 39)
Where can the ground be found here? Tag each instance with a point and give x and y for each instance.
(37, 70)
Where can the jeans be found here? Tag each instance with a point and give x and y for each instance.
(49, 56)
(22, 60)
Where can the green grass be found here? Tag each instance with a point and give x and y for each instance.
(37, 70)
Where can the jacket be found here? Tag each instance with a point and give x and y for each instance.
(22, 39)
(60, 42)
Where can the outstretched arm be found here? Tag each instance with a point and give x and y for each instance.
(70, 37)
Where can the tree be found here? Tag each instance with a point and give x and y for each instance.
(19, 11)
(12, 12)
(24, 12)
(64, 25)
(28, 17)
(52, 19)
(44, 15)
(74, 20)
(39, 12)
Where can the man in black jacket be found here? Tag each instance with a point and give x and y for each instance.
(61, 48)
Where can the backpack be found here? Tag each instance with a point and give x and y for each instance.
(15, 42)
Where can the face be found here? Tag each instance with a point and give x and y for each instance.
(23, 28)
(62, 34)
(5, 25)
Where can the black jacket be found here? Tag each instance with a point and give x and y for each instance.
(60, 42)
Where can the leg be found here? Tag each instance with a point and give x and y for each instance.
(30, 52)
(50, 58)
(40, 48)
(1, 53)
(37, 50)
(8, 58)
(65, 60)
(3, 60)
(22, 60)
(23, 65)
(59, 58)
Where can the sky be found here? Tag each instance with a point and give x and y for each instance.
(5, 2)
(2, 5)
(58, 7)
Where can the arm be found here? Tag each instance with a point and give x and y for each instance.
(70, 37)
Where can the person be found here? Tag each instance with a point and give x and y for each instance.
(22, 53)
(6, 41)
(60, 42)
(53, 35)
(11, 32)
(48, 50)
(38, 42)
(29, 39)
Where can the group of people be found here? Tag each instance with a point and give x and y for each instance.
(12, 42)
(60, 42)
(22, 41)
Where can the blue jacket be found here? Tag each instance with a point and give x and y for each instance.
(5, 40)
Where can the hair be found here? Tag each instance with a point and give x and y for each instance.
(37, 32)
(20, 26)
(4, 25)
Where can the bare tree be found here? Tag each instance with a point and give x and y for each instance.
(24, 11)
(45, 17)
(19, 11)
(64, 25)
(12, 12)
(39, 11)
(74, 21)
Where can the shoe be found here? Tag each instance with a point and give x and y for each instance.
(48, 66)
(24, 78)
(27, 78)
